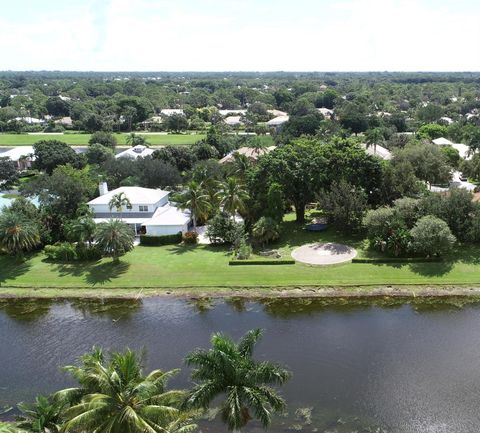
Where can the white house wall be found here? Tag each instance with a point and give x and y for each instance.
(166, 230)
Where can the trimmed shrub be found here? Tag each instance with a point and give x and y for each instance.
(62, 252)
(243, 251)
(432, 236)
(148, 240)
(190, 237)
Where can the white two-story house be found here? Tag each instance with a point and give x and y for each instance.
(149, 212)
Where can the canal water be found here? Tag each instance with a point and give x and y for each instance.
(361, 367)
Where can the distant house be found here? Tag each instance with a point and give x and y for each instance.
(250, 152)
(30, 120)
(135, 152)
(171, 111)
(278, 122)
(326, 112)
(277, 113)
(445, 120)
(22, 156)
(150, 212)
(226, 113)
(65, 121)
(378, 151)
(463, 149)
(442, 141)
(233, 120)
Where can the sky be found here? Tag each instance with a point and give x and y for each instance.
(240, 35)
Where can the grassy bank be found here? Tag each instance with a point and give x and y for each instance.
(204, 269)
(82, 139)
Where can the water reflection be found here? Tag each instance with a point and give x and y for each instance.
(26, 310)
(114, 309)
(402, 365)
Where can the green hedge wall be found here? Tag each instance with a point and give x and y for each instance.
(147, 240)
(399, 260)
(261, 262)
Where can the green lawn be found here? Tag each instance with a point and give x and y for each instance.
(82, 139)
(205, 266)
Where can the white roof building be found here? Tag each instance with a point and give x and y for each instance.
(277, 113)
(249, 152)
(277, 121)
(149, 211)
(17, 153)
(66, 121)
(377, 150)
(225, 113)
(233, 120)
(326, 112)
(442, 141)
(170, 111)
(135, 152)
(29, 120)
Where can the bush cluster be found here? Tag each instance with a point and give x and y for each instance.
(69, 252)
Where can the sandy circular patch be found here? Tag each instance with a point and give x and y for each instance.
(327, 253)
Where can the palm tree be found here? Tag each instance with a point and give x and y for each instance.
(228, 370)
(234, 196)
(8, 427)
(196, 200)
(116, 397)
(241, 164)
(81, 230)
(135, 140)
(44, 416)
(118, 201)
(265, 230)
(374, 137)
(17, 234)
(114, 238)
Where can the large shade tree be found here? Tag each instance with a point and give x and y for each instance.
(229, 372)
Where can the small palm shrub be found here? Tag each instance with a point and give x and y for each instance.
(190, 237)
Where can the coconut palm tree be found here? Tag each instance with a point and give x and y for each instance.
(116, 397)
(228, 370)
(43, 416)
(17, 234)
(234, 196)
(119, 201)
(114, 238)
(196, 200)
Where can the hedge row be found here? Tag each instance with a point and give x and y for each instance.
(147, 240)
(262, 262)
(399, 260)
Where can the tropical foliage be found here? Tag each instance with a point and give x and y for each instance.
(228, 371)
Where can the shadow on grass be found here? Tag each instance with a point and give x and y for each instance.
(95, 273)
(181, 248)
(12, 267)
(293, 234)
(436, 269)
(106, 272)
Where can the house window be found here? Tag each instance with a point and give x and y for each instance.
(129, 206)
(143, 208)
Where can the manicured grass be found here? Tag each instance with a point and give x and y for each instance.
(206, 267)
(82, 139)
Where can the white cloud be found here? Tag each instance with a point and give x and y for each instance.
(215, 35)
